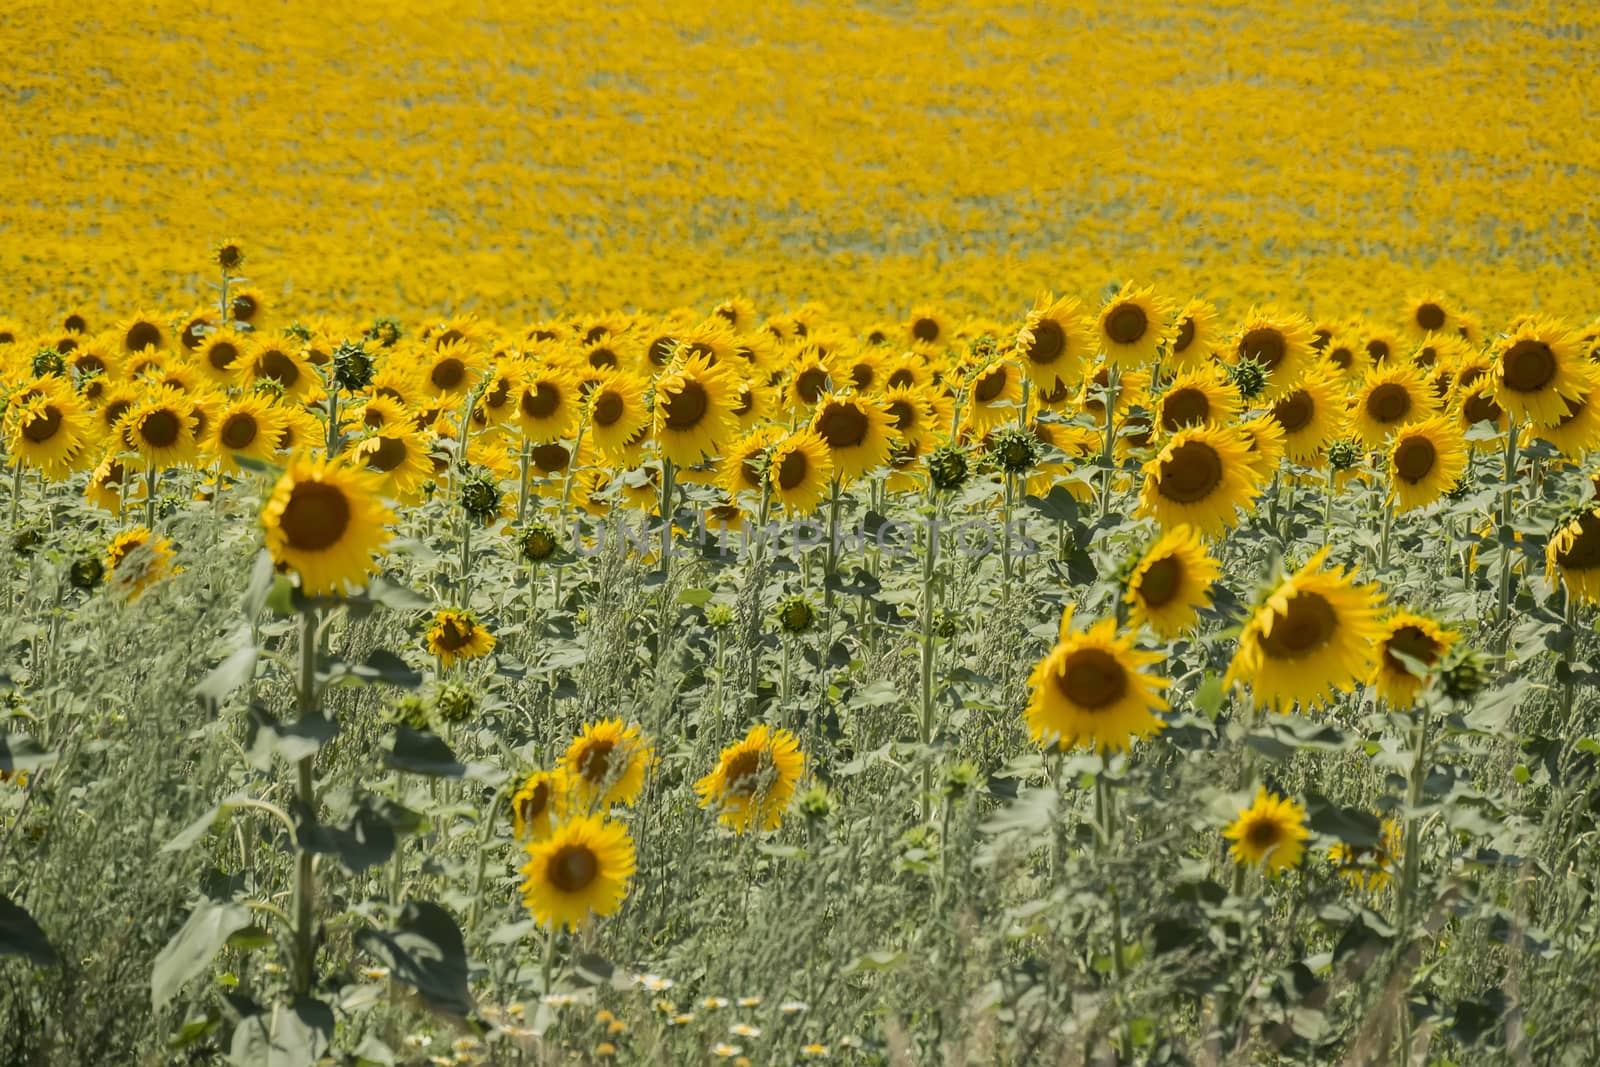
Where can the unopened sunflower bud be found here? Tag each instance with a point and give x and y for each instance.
(1016, 450)
(795, 614)
(947, 467)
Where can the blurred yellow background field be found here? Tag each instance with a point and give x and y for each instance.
(510, 158)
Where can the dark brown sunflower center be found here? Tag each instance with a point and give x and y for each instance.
(541, 401)
(1184, 407)
(1190, 473)
(1049, 342)
(238, 430)
(1528, 366)
(1303, 627)
(535, 803)
(1426, 356)
(594, 762)
(1481, 407)
(903, 414)
(389, 453)
(863, 375)
(222, 354)
(810, 383)
(843, 426)
(276, 364)
(159, 429)
(1430, 316)
(743, 775)
(1263, 834)
(43, 426)
(1389, 402)
(1414, 458)
(76, 323)
(1264, 344)
(1412, 641)
(925, 329)
(686, 408)
(603, 357)
(1161, 581)
(1582, 552)
(793, 470)
(1294, 412)
(1126, 324)
(1185, 337)
(142, 335)
(902, 379)
(1341, 357)
(1378, 349)
(497, 396)
(194, 331)
(572, 868)
(746, 400)
(1056, 394)
(315, 517)
(1574, 409)
(455, 634)
(448, 373)
(245, 307)
(550, 457)
(608, 409)
(1092, 678)
(661, 350)
(989, 385)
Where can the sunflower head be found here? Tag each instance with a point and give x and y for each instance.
(326, 523)
(795, 614)
(754, 780)
(539, 805)
(607, 763)
(1271, 832)
(228, 254)
(456, 636)
(538, 542)
(1092, 691)
(1014, 450)
(581, 869)
(948, 467)
(1410, 648)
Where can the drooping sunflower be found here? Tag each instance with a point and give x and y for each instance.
(1280, 342)
(1316, 631)
(1418, 637)
(457, 636)
(1090, 691)
(581, 869)
(1201, 478)
(1171, 583)
(606, 764)
(547, 404)
(1535, 369)
(136, 560)
(1196, 398)
(50, 431)
(1368, 866)
(1271, 832)
(693, 410)
(857, 431)
(248, 425)
(1429, 313)
(1574, 554)
(1310, 414)
(1391, 397)
(754, 780)
(800, 470)
(539, 805)
(1054, 342)
(1195, 336)
(1132, 327)
(326, 522)
(160, 427)
(1425, 461)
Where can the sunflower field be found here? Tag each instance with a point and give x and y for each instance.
(874, 534)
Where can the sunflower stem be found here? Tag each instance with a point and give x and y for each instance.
(465, 566)
(304, 880)
(1504, 535)
(830, 571)
(522, 482)
(1384, 536)
(16, 491)
(1105, 820)
(929, 559)
(483, 860)
(548, 969)
(1108, 452)
(1411, 862)
(149, 496)
(1327, 506)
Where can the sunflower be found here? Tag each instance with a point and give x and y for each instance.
(380, 412)
(581, 868)
(753, 403)
(1417, 637)
(1574, 553)
(1171, 583)
(1132, 327)
(106, 484)
(1425, 461)
(909, 370)
(754, 780)
(160, 428)
(137, 560)
(248, 306)
(502, 391)
(1133, 390)
(401, 457)
(742, 469)
(278, 362)
(1429, 313)
(142, 331)
(912, 416)
(1054, 342)
(1271, 832)
(738, 314)
(800, 469)
(219, 355)
(1440, 350)
(325, 522)
(248, 425)
(1316, 631)
(1311, 415)
(993, 395)
(450, 369)
(1195, 335)
(1368, 866)
(619, 419)
(606, 764)
(1090, 691)
(1389, 398)
(1578, 431)
(810, 377)
(929, 326)
(301, 430)
(1346, 356)
(50, 431)
(539, 805)
(1202, 477)
(693, 410)
(1381, 346)
(1280, 343)
(1195, 398)
(457, 636)
(1535, 369)
(857, 431)
(94, 361)
(548, 404)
